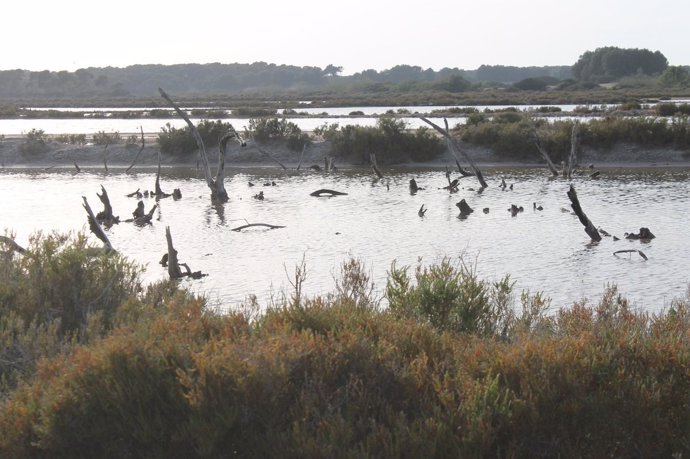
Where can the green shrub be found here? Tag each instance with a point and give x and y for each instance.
(34, 142)
(104, 138)
(72, 139)
(267, 129)
(253, 112)
(180, 141)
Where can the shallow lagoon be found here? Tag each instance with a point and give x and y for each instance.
(542, 250)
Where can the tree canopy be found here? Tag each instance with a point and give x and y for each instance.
(611, 63)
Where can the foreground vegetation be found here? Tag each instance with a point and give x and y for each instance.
(92, 365)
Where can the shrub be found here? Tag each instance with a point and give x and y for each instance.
(179, 141)
(104, 138)
(72, 139)
(34, 142)
(267, 129)
(251, 112)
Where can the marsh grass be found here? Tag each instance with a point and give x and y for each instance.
(455, 367)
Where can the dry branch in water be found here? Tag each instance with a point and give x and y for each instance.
(374, 165)
(326, 192)
(590, 229)
(545, 154)
(631, 251)
(250, 225)
(95, 227)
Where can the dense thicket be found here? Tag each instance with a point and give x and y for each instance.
(453, 368)
(611, 63)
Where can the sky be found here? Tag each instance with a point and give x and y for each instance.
(354, 34)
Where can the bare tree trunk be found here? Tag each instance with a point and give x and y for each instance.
(174, 270)
(157, 187)
(457, 148)
(96, 227)
(106, 216)
(374, 165)
(216, 185)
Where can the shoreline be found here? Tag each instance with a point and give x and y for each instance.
(56, 155)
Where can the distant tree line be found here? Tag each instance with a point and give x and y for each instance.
(192, 80)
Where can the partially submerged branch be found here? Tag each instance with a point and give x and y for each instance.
(170, 260)
(590, 229)
(326, 192)
(143, 143)
(252, 225)
(545, 154)
(95, 227)
(374, 165)
(640, 252)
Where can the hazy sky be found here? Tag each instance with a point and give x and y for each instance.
(354, 34)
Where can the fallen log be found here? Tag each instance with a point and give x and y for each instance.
(135, 194)
(143, 143)
(456, 147)
(326, 192)
(640, 252)
(251, 225)
(590, 229)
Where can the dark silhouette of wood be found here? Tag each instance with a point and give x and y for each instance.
(141, 217)
(158, 192)
(413, 186)
(456, 147)
(143, 143)
(135, 194)
(465, 209)
(574, 145)
(105, 158)
(422, 211)
(170, 261)
(640, 252)
(590, 229)
(95, 227)
(106, 216)
(326, 192)
(76, 166)
(251, 225)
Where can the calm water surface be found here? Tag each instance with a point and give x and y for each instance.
(542, 250)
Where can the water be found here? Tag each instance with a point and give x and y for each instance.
(542, 251)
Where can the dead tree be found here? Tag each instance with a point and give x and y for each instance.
(106, 215)
(218, 192)
(590, 229)
(157, 187)
(143, 143)
(95, 227)
(374, 165)
(544, 154)
(170, 261)
(456, 148)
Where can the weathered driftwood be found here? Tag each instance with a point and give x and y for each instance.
(12, 245)
(251, 225)
(141, 217)
(590, 229)
(452, 185)
(544, 154)
(640, 252)
(159, 193)
(413, 186)
(143, 143)
(218, 192)
(135, 194)
(95, 227)
(106, 216)
(462, 171)
(327, 192)
(270, 156)
(456, 147)
(422, 211)
(514, 210)
(170, 261)
(374, 165)
(643, 235)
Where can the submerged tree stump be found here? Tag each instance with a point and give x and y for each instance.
(590, 229)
